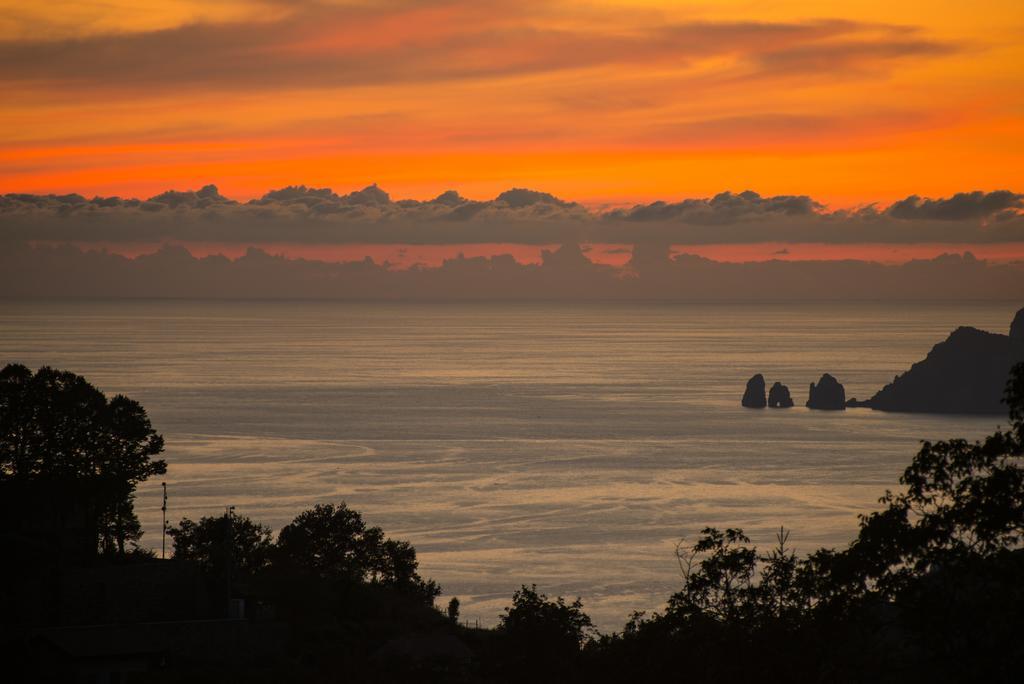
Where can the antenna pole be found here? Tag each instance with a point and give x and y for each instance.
(163, 534)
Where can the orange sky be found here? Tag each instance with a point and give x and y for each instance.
(600, 102)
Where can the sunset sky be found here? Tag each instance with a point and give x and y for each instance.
(604, 103)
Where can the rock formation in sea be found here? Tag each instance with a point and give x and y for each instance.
(778, 396)
(827, 395)
(966, 373)
(753, 397)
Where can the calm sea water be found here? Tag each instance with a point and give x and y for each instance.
(566, 445)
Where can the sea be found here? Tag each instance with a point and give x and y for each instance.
(567, 445)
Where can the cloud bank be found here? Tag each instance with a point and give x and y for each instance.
(305, 215)
(565, 273)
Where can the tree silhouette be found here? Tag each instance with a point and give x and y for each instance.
(962, 501)
(453, 609)
(227, 545)
(333, 542)
(545, 635)
(717, 573)
(56, 427)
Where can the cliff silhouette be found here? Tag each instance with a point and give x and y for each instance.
(966, 373)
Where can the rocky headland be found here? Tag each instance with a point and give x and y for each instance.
(965, 373)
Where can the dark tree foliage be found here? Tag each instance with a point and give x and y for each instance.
(56, 427)
(727, 582)
(962, 501)
(453, 609)
(543, 638)
(562, 625)
(227, 545)
(717, 571)
(333, 542)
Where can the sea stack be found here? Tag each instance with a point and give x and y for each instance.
(778, 396)
(827, 395)
(753, 397)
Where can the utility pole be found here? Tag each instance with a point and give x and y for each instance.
(163, 534)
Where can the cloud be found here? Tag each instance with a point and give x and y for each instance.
(331, 45)
(207, 196)
(724, 207)
(301, 214)
(517, 198)
(963, 206)
(565, 273)
(844, 55)
(789, 131)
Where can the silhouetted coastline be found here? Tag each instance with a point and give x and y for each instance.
(965, 373)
